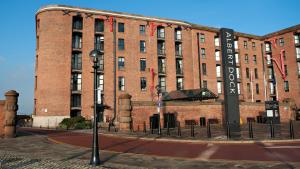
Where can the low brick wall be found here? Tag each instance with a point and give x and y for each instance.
(141, 111)
(2, 102)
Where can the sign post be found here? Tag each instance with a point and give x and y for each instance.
(231, 98)
(272, 109)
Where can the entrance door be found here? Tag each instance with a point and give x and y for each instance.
(171, 118)
(154, 121)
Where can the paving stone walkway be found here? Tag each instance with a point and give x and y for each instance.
(36, 151)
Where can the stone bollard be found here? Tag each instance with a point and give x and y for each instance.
(10, 113)
(125, 112)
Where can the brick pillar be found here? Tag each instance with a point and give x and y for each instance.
(125, 111)
(10, 112)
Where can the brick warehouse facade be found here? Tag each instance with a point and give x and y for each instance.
(175, 54)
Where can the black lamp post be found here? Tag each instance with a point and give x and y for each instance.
(95, 160)
(158, 90)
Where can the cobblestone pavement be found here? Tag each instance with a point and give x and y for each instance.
(36, 151)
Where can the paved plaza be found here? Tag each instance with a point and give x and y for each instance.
(36, 148)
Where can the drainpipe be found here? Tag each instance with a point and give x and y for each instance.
(115, 70)
(264, 70)
(199, 65)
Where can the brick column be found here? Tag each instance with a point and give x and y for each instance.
(125, 111)
(10, 112)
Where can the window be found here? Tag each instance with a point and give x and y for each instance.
(100, 88)
(245, 45)
(161, 32)
(281, 42)
(296, 37)
(75, 100)
(204, 68)
(255, 73)
(247, 73)
(257, 88)
(76, 61)
(100, 79)
(218, 70)
(76, 82)
(298, 63)
(248, 88)
(101, 62)
(269, 61)
(99, 25)
(254, 59)
(268, 47)
(37, 42)
(121, 63)
(35, 82)
(286, 86)
(99, 42)
(272, 88)
(162, 83)
(239, 88)
(298, 53)
(246, 58)
(161, 66)
(236, 46)
(121, 27)
(161, 48)
(270, 71)
(77, 22)
(285, 70)
(142, 46)
(37, 24)
(77, 41)
(121, 45)
(202, 38)
(121, 81)
(217, 53)
(143, 84)
(178, 49)
(236, 58)
(203, 53)
(238, 73)
(142, 29)
(204, 85)
(284, 55)
(142, 64)
(179, 83)
(179, 68)
(253, 45)
(177, 34)
(217, 41)
(219, 87)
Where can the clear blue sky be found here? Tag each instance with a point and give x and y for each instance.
(17, 28)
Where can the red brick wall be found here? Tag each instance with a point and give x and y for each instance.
(142, 111)
(2, 118)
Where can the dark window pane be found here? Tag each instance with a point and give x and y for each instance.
(121, 27)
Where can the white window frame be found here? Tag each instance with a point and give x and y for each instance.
(217, 54)
(219, 87)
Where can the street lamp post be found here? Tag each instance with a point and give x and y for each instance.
(95, 160)
(158, 90)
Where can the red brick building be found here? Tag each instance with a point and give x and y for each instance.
(175, 54)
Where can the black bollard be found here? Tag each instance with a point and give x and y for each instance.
(228, 130)
(151, 126)
(272, 129)
(250, 130)
(145, 130)
(292, 136)
(192, 130)
(179, 129)
(208, 130)
(109, 125)
(168, 129)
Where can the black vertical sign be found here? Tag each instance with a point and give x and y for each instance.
(231, 97)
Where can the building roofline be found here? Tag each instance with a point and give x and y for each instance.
(282, 31)
(164, 20)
